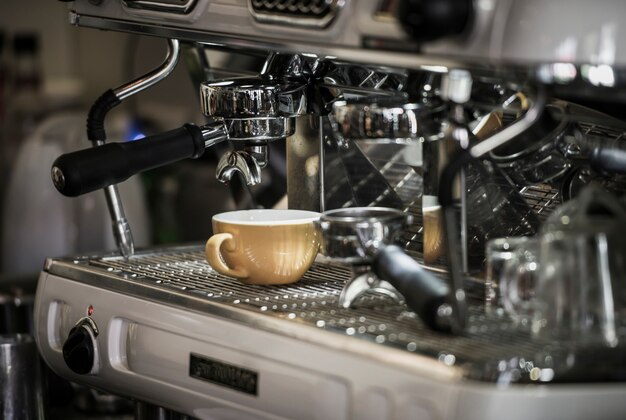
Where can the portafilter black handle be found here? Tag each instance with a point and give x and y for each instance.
(610, 160)
(87, 170)
(423, 292)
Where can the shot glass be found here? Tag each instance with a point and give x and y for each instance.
(498, 252)
(580, 295)
(518, 282)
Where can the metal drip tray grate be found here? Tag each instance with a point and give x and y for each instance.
(491, 347)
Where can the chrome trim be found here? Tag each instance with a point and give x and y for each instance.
(161, 6)
(251, 98)
(381, 120)
(87, 320)
(240, 43)
(121, 228)
(293, 19)
(214, 133)
(153, 77)
(533, 71)
(58, 178)
(257, 130)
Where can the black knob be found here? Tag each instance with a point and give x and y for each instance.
(427, 20)
(78, 349)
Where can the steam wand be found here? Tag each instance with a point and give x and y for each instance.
(447, 201)
(97, 135)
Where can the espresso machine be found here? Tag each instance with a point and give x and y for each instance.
(476, 118)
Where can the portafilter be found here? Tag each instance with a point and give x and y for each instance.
(366, 238)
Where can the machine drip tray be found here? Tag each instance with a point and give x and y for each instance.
(493, 348)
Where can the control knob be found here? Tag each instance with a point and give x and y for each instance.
(79, 349)
(427, 20)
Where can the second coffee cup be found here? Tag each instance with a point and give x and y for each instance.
(263, 246)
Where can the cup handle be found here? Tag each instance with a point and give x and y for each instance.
(214, 255)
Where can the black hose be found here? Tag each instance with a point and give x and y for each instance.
(95, 120)
(446, 181)
(451, 226)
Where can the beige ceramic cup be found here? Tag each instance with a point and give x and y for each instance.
(263, 246)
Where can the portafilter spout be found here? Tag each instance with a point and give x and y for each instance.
(255, 111)
(243, 162)
(366, 238)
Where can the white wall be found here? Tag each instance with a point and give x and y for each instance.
(93, 61)
(49, 18)
(98, 60)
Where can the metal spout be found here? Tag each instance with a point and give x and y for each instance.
(242, 162)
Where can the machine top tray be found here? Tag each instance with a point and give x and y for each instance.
(492, 349)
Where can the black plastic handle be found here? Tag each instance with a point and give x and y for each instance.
(87, 170)
(423, 292)
(608, 159)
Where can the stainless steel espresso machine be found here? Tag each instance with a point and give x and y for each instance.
(479, 119)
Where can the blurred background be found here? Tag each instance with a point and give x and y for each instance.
(50, 74)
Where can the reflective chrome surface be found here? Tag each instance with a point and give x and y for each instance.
(252, 98)
(304, 169)
(253, 130)
(347, 233)
(214, 133)
(363, 282)
(246, 161)
(153, 77)
(241, 162)
(438, 151)
(538, 154)
(22, 381)
(380, 119)
(352, 236)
